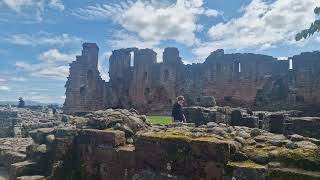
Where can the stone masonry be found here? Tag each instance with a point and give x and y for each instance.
(138, 81)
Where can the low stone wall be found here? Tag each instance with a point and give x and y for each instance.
(305, 126)
(281, 122)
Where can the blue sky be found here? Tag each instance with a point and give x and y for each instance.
(39, 38)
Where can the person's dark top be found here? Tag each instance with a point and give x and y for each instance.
(177, 113)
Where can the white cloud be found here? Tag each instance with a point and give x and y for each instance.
(263, 25)
(43, 38)
(212, 13)
(123, 39)
(28, 11)
(4, 88)
(18, 79)
(153, 21)
(56, 4)
(16, 5)
(46, 70)
(2, 80)
(54, 55)
(53, 64)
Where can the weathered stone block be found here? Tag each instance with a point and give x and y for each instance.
(23, 168)
(207, 101)
(102, 138)
(246, 171)
(181, 155)
(39, 135)
(305, 126)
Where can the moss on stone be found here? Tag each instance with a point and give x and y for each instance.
(308, 159)
(247, 164)
(183, 135)
(231, 166)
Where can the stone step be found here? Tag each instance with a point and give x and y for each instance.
(23, 168)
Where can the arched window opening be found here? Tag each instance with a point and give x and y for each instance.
(147, 91)
(290, 64)
(82, 91)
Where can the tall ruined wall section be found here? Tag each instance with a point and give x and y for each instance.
(84, 87)
(235, 78)
(138, 81)
(306, 67)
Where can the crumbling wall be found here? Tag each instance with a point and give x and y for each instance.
(84, 87)
(138, 81)
(306, 67)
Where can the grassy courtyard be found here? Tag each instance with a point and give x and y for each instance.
(160, 119)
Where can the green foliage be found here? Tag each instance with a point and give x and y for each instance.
(21, 103)
(317, 10)
(315, 27)
(160, 119)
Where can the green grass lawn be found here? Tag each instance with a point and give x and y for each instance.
(160, 119)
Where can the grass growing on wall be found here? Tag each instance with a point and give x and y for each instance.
(160, 119)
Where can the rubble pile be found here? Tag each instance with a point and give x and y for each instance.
(121, 144)
(13, 150)
(119, 119)
(17, 122)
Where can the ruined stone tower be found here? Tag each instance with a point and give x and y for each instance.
(84, 87)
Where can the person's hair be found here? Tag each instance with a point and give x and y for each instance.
(180, 98)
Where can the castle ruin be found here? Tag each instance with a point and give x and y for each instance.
(241, 79)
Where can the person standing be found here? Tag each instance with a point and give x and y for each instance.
(177, 112)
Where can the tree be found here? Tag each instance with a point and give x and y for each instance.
(315, 27)
(21, 103)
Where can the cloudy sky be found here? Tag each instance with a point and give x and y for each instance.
(39, 38)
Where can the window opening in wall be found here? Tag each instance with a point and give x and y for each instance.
(89, 75)
(166, 75)
(290, 64)
(237, 67)
(147, 91)
(131, 59)
(145, 76)
(82, 91)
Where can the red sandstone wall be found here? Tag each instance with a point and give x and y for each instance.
(233, 79)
